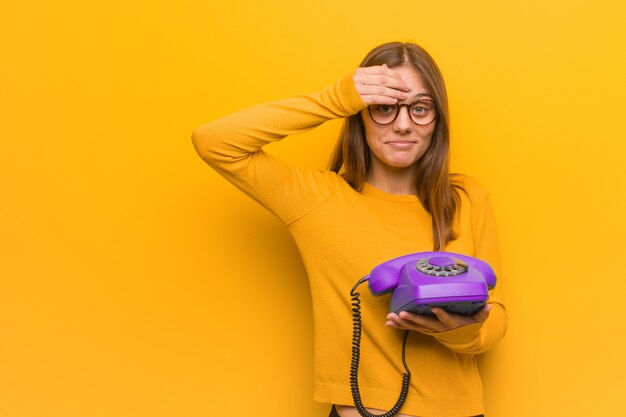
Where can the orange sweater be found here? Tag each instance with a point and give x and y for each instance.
(342, 234)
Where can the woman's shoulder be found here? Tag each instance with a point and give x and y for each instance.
(469, 186)
(327, 176)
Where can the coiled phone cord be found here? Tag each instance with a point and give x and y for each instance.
(356, 353)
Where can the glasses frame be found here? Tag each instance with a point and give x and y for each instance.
(369, 111)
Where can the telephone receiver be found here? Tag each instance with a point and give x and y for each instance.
(457, 283)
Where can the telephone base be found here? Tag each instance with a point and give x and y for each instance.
(465, 308)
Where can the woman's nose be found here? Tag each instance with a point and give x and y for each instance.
(403, 122)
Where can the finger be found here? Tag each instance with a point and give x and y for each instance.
(379, 70)
(380, 75)
(374, 99)
(382, 80)
(453, 321)
(444, 317)
(380, 96)
(483, 314)
(369, 100)
(394, 325)
(380, 90)
(414, 327)
(394, 320)
(421, 320)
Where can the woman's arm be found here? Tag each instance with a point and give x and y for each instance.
(232, 145)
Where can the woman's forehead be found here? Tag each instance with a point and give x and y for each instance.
(414, 81)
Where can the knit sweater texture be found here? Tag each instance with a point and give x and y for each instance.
(341, 235)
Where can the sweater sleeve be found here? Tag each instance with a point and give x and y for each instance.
(233, 145)
(480, 337)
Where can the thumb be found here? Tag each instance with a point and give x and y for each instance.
(483, 313)
(442, 315)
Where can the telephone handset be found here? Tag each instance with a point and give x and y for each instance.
(457, 283)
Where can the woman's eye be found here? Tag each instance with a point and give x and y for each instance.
(384, 109)
(421, 109)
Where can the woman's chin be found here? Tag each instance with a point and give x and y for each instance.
(401, 163)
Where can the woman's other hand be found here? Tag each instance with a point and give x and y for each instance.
(443, 321)
(380, 85)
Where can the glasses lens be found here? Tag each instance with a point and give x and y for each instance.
(383, 113)
(423, 112)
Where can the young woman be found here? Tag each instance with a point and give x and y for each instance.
(387, 193)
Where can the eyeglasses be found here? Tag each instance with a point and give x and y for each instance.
(422, 112)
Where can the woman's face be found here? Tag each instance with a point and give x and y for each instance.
(402, 143)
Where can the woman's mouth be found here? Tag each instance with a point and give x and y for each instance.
(401, 143)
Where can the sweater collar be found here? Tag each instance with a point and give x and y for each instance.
(370, 190)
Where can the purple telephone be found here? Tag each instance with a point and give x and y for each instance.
(457, 283)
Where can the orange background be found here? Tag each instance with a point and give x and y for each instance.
(136, 282)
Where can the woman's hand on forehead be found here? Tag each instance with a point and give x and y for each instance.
(380, 85)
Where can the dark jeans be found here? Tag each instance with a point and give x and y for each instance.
(333, 413)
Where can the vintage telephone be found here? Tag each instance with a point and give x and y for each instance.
(457, 283)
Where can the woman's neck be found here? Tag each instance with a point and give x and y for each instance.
(393, 180)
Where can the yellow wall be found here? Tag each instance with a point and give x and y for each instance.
(136, 282)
